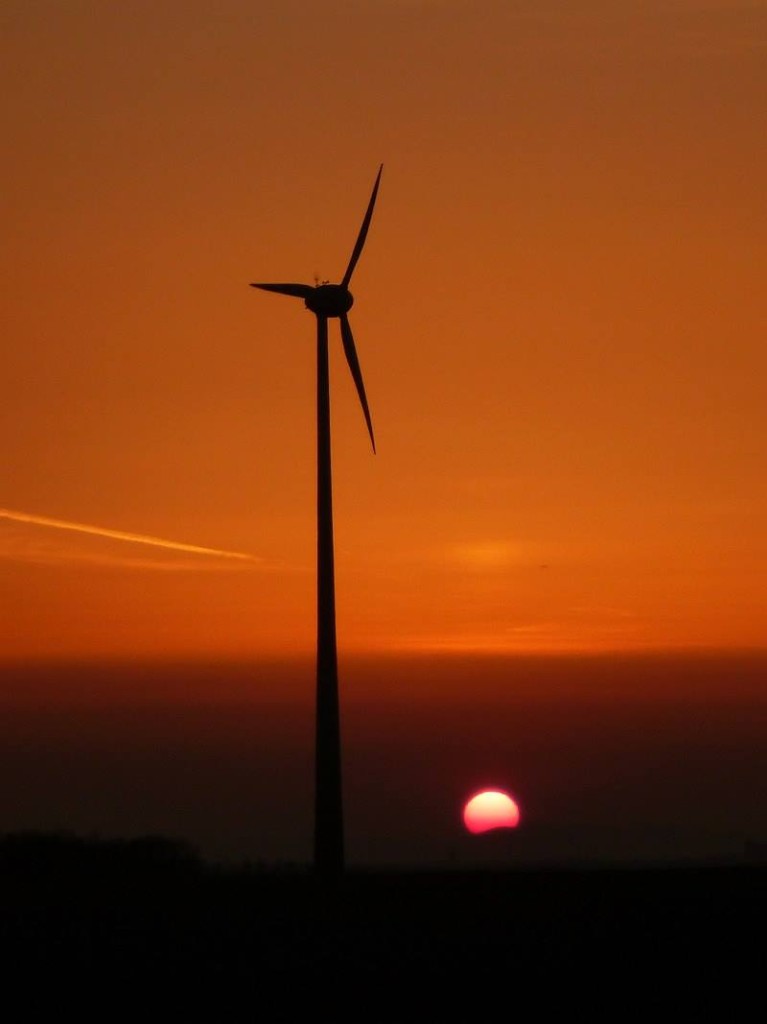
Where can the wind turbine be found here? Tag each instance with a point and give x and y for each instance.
(329, 301)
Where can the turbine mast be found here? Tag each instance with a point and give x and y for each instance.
(326, 301)
(328, 797)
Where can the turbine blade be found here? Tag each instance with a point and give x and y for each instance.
(363, 232)
(354, 366)
(301, 291)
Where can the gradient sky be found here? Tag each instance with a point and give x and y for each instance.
(560, 320)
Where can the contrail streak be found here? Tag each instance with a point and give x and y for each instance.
(131, 538)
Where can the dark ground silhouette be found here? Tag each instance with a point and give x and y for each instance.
(147, 923)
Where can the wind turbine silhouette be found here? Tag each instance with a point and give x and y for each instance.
(329, 301)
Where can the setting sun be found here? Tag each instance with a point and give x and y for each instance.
(490, 809)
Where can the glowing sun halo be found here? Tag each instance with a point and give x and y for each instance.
(491, 808)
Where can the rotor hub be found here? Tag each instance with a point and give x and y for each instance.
(330, 300)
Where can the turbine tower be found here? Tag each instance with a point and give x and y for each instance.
(329, 301)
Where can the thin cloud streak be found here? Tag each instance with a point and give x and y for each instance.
(130, 538)
(545, 636)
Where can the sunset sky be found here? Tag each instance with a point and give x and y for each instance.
(560, 318)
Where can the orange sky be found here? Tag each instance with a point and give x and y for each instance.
(560, 317)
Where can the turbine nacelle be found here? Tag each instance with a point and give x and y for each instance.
(329, 300)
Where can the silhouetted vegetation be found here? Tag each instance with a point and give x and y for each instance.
(62, 853)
